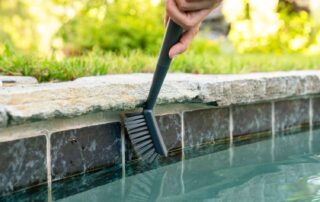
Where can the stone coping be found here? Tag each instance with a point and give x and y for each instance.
(43, 101)
(9, 81)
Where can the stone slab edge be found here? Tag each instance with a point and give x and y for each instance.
(17, 80)
(126, 92)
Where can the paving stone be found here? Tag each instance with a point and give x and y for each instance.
(3, 117)
(8, 81)
(122, 92)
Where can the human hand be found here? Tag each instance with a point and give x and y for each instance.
(188, 14)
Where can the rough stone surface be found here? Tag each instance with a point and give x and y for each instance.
(122, 92)
(22, 163)
(249, 119)
(80, 150)
(8, 81)
(3, 117)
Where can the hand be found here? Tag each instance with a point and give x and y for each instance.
(188, 14)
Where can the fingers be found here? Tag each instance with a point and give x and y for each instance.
(184, 42)
(190, 5)
(188, 14)
(166, 19)
(187, 20)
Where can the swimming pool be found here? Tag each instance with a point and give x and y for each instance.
(284, 167)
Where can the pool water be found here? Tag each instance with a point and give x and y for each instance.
(285, 168)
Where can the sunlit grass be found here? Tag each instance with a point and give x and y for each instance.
(48, 69)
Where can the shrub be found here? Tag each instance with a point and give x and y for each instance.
(117, 26)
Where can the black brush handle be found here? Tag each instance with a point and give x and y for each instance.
(172, 36)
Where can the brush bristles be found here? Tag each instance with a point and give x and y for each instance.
(140, 137)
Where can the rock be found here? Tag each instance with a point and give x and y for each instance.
(123, 92)
(8, 81)
(3, 117)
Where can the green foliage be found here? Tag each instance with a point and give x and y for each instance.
(119, 26)
(50, 69)
(296, 33)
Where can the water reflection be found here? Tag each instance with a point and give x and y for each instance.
(290, 173)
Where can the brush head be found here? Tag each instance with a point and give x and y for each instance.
(145, 136)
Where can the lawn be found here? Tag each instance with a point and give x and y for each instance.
(49, 69)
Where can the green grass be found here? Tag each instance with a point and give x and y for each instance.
(48, 69)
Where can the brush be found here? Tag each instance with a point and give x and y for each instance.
(142, 127)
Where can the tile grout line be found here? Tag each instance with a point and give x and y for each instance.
(273, 129)
(123, 152)
(311, 113)
(48, 157)
(182, 134)
(310, 124)
(182, 152)
(123, 161)
(231, 126)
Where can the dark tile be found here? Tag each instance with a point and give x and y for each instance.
(204, 126)
(170, 128)
(248, 119)
(23, 163)
(258, 149)
(316, 111)
(199, 173)
(134, 167)
(315, 140)
(194, 152)
(87, 181)
(84, 149)
(290, 144)
(291, 114)
(38, 193)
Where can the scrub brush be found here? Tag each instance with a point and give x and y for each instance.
(142, 127)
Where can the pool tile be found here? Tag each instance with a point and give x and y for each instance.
(252, 151)
(316, 111)
(196, 177)
(135, 166)
(291, 114)
(205, 126)
(249, 119)
(22, 163)
(84, 149)
(87, 181)
(38, 193)
(170, 128)
(284, 146)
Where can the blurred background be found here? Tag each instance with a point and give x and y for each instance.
(63, 39)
